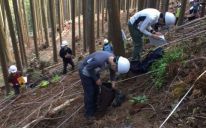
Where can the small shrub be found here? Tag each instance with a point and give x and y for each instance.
(158, 68)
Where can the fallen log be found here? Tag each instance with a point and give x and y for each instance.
(62, 106)
(51, 113)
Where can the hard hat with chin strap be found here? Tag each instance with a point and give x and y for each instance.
(123, 65)
(12, 69)
(64, 43)
(169, 18)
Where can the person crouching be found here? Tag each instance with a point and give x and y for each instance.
(14, 75)
(89, 71)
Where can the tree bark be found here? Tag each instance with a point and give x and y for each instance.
(3, 60)
(33, 16)
(127, 6)
(203, 8)
(182, 12)
(103, 7)
(45, 22)
(97, 5)
(73, 26)
(90, 25)
(59, 17)
(114, 21)
(140, 5)
(79, 19)
(20, 32)
(53, 27)
(13, 36)
(166, 5)
(84, 26)
(4, 25)
(151, 3)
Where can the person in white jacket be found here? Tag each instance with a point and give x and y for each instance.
(140, 23)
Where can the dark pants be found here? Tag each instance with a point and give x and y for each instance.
(16, 89)
(137, 41)
(65, 64)
(91, 91)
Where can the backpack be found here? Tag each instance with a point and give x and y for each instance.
(105, 97)
(143, 66)
(107, 47)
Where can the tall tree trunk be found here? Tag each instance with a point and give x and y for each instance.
(20, 32)
(73, 26)
(4, 25)
(141, 4)
(13, 35)
(26, 28)
(69, 8)
(103, 6)
(52, 8)
(3, 13)
(59, 17)
(166, 5)
(157, 4)
(127, 4)
(79, 19)
(114, 20)
(33, 16)
(3, 54)
(3, 57)
(161, 5)
(182, 12)
(203, 8)
(90, 25)
(97, 5)
(45, 22)
(84, 26)
(62, 14)
(41, 28)
(151, 3)
(106, 14)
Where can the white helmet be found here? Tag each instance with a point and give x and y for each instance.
(12, 69)
(190, 1)
(106, 41)
(123, 65)
(64, 43)
(170, 18)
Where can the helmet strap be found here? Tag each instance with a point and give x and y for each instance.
(115, 60)
(162, 15)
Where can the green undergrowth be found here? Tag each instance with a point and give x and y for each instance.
(158, 68)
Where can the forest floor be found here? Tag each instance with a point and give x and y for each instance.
(61, 103)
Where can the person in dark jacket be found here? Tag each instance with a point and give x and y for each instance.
(14, 79)
(89, 71)
(66, 54)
